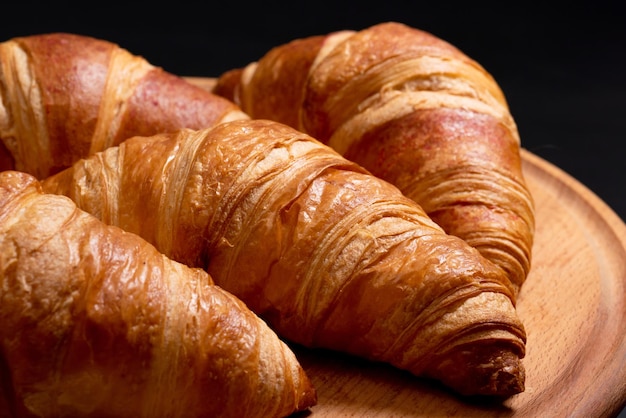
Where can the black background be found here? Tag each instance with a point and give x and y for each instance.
(562, 69)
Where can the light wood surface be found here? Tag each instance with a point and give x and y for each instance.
(573, 306)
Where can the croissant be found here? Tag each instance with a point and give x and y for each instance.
(413, 110)
(65, 96)
(328, 254)
(96, 322)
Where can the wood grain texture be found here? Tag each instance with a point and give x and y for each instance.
(573, 305)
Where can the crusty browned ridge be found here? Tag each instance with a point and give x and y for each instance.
(413, 110)
(65, 96)
(97, 323)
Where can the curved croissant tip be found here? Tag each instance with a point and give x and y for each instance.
(487, 371)
(505, 377)
(307, 394)
(308, 398)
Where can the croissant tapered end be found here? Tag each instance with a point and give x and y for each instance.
(488, 371)
(227, 84)
(307, 394)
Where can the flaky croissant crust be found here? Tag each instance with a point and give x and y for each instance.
(65, 96)
(97, 322)
(413, 110)
(328, 254)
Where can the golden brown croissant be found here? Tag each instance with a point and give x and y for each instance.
(328, 254)
(413, 110)
(96, 322)
(66, 96)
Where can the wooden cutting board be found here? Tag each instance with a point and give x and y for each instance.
(573, 306)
